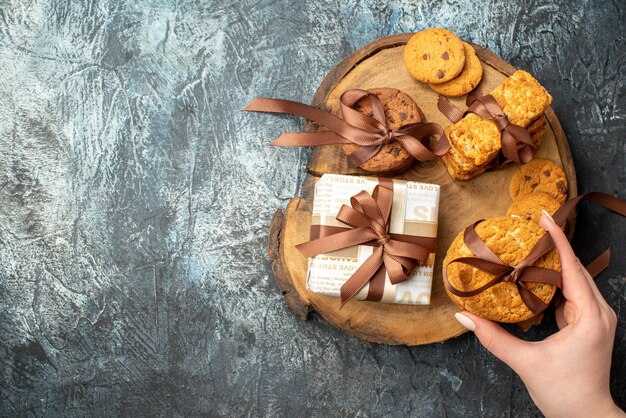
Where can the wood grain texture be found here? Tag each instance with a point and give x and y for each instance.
(380, 64)
(135, 200)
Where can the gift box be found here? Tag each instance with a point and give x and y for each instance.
(413, 218)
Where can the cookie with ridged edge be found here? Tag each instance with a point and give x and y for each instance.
(530, 206)
(468, 78)
(539, 176)
(434, 55)
(510, 239)
(400, 110)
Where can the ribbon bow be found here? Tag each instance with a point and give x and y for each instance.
(370, 133)
(484, 259)
(517, 145)
(369, 217)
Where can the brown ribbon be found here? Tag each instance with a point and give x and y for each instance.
(394, 255)
(524, 272)
(516, 142)
(370, 133)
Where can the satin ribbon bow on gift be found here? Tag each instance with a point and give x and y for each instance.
(370, 133)
(369, 217)
(517, 145)
(484, 259)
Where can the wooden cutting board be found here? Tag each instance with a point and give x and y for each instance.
(380, 64)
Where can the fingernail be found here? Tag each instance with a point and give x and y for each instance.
(548, 215)
(465, 321)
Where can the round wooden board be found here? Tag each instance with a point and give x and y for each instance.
(380, 64)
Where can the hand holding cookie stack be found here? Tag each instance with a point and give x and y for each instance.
(374, 239)
(537, 186)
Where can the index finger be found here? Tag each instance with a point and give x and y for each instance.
(574, 285)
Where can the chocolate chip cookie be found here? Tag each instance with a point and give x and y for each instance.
(400, 110)
(434, 56)
(539, 176)
(468, 78)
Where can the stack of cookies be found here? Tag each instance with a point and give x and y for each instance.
(435, 56)
(451, 68)
(511, 239)
(400, 110)
(536, 186)
(439, 58)
(475, 142)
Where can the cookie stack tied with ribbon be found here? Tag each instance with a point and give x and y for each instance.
(536, 186)
(509, 239)
(500, 127)
(399, 110)
(382, 129)
(506, 269)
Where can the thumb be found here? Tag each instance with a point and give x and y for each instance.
(508, 348)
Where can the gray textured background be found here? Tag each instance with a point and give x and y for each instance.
(135, 200)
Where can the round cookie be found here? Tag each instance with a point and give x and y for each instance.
(539, 176)
(468, 78)
(434, 55)
(529, 206)
(400, 110)
(510, 239)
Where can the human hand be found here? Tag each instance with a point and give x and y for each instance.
(567, 374)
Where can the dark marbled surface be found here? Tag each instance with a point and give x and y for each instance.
(135, 200)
